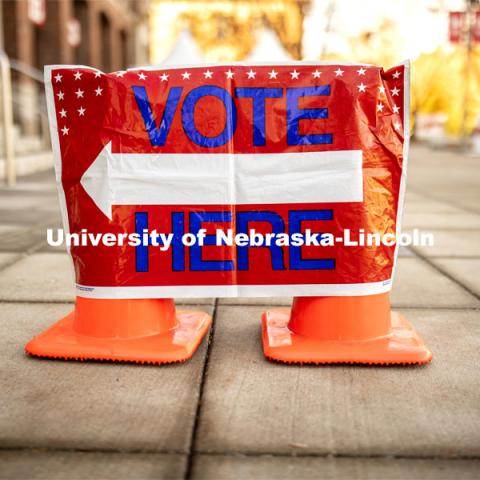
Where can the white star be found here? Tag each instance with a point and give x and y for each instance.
(379, 107)
(142, 76)
(77, 75)
(396, 74)
(251, 74)
(98, 91)
(81, 111)
(58, 78)
(395, 91)
(294, 75)
(60, 95)
(98, 74)
(316, 74)
(339, 72)
(79, 93)
(361, 71)
(381, 89)
(63, 113)
(396, 109)
(65, 130)
(163, 77)
(186, 75)
(273, 74)
(208, 74)
(397, 125)
(229, 74)
(361, 87)
(120, 74)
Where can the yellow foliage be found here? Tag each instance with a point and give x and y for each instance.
(444, 81)
(438, 81)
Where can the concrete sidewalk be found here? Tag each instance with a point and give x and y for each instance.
(229, 413)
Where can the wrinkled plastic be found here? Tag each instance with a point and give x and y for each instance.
(275, 148)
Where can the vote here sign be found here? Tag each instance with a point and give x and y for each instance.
(204, 157)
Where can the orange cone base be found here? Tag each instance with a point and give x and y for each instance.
(401, 346)
(176, 345)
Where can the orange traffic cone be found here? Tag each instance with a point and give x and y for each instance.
(341, 330)
(139, 330)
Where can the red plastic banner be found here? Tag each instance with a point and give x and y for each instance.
(287, 151)
(476, 27)
(456, 25)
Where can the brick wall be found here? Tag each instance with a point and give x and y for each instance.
(107, 41)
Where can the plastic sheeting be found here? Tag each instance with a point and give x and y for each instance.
(305, 151)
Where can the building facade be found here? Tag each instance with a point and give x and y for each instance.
(107, 34)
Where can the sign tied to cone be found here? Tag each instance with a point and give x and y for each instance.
(283, 151)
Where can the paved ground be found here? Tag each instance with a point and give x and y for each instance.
(229, 413)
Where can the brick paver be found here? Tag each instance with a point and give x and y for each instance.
(464, 270)
(230, 467)
(60, 465)
(90, 405)
(339, 409)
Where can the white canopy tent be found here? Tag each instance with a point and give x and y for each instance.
(184, 52)
(268, 49)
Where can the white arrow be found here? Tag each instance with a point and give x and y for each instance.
(223, 178)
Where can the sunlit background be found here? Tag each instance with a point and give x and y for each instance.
(440, 37)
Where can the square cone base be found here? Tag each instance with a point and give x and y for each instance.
(401, 346)
(60, 341)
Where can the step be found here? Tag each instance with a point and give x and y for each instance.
(29, 163)
(29, 144)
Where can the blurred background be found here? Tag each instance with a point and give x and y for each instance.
(440, 37)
